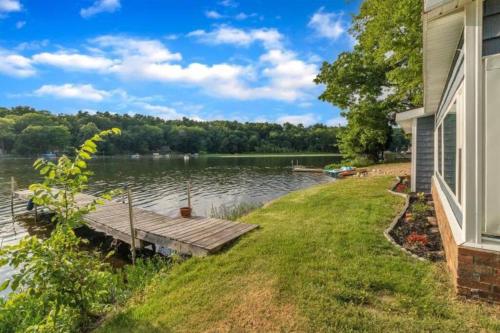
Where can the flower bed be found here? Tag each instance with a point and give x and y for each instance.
(417, 229)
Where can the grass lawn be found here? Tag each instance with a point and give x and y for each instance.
(318, 263)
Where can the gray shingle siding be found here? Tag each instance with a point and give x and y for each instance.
(424, 154)
(491, 27)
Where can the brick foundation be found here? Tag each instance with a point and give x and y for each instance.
(475, 272)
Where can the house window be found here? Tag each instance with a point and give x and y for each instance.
(440, 150)
(450, 149)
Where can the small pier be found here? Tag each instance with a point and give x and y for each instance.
(300, 168)
(198, 236)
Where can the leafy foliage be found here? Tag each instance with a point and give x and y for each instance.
(381, 75)
(67, 178)
(58, 287)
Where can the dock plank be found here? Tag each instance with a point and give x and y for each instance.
(196, 235)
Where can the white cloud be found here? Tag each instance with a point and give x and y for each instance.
(270, 38)
(213, 14)
(10, 6)
(337, 121)
(136, 48)
(73, 91)
(243, 16)
(161, 111)
(228, 3)
(20, 24)
(33, 45)
(278, 74)
(14, 64)
(100, 6)
(73, 61)
(307, 119)
(171, 37)
(290, 77)
(328, 25)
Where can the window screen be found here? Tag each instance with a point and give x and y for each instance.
(450, 149)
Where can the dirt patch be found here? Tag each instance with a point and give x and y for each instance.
(392, 169)
(417, 230)
(257, 309)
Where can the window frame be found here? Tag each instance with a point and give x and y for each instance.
(457, 104)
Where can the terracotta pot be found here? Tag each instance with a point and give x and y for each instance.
(186, 211)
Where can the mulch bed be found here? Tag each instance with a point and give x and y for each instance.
(417, 230)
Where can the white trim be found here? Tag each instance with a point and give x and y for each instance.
(444, 9)
(440, 39)
(453, 195)
(480, 128)
(405, 119)
(486, 244)
(472, 64)
(410, 114)
(452, 220)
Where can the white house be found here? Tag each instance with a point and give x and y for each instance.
(456, 137)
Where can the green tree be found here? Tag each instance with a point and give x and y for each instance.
(39, 139)
(87, 131)
(7, 135)
(382, 74)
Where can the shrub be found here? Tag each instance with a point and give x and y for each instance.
(235, 212)
(57, 286)
(419, 210)
(415, 239)
(357, 162)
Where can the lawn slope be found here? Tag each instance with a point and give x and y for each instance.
(319, 262)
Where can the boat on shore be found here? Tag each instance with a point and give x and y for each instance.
(49, 156)
(345, 171)
(135, 156)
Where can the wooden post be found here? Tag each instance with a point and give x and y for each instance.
(12, 189)
(189, 193)
(132, 230)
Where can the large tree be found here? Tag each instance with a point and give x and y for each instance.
(381, 75)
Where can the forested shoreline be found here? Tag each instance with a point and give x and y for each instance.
(26, 131)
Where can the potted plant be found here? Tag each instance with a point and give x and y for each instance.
(186, 211)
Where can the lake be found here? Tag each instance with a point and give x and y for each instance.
(160, 184)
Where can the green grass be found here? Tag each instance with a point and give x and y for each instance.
(318, 263)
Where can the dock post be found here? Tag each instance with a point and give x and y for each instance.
(12, 194)
(132, 230)
(189, 193)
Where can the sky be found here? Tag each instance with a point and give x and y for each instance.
(244, 60)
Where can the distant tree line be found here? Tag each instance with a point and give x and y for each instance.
(26, 131)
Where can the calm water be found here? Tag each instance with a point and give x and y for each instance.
(160, 184)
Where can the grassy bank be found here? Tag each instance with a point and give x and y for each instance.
(319, 262)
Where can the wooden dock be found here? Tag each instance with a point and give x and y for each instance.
(305, 169)
(196, 235)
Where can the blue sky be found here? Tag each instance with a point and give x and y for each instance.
(219, 59)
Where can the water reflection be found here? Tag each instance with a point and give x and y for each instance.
(159, 184)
